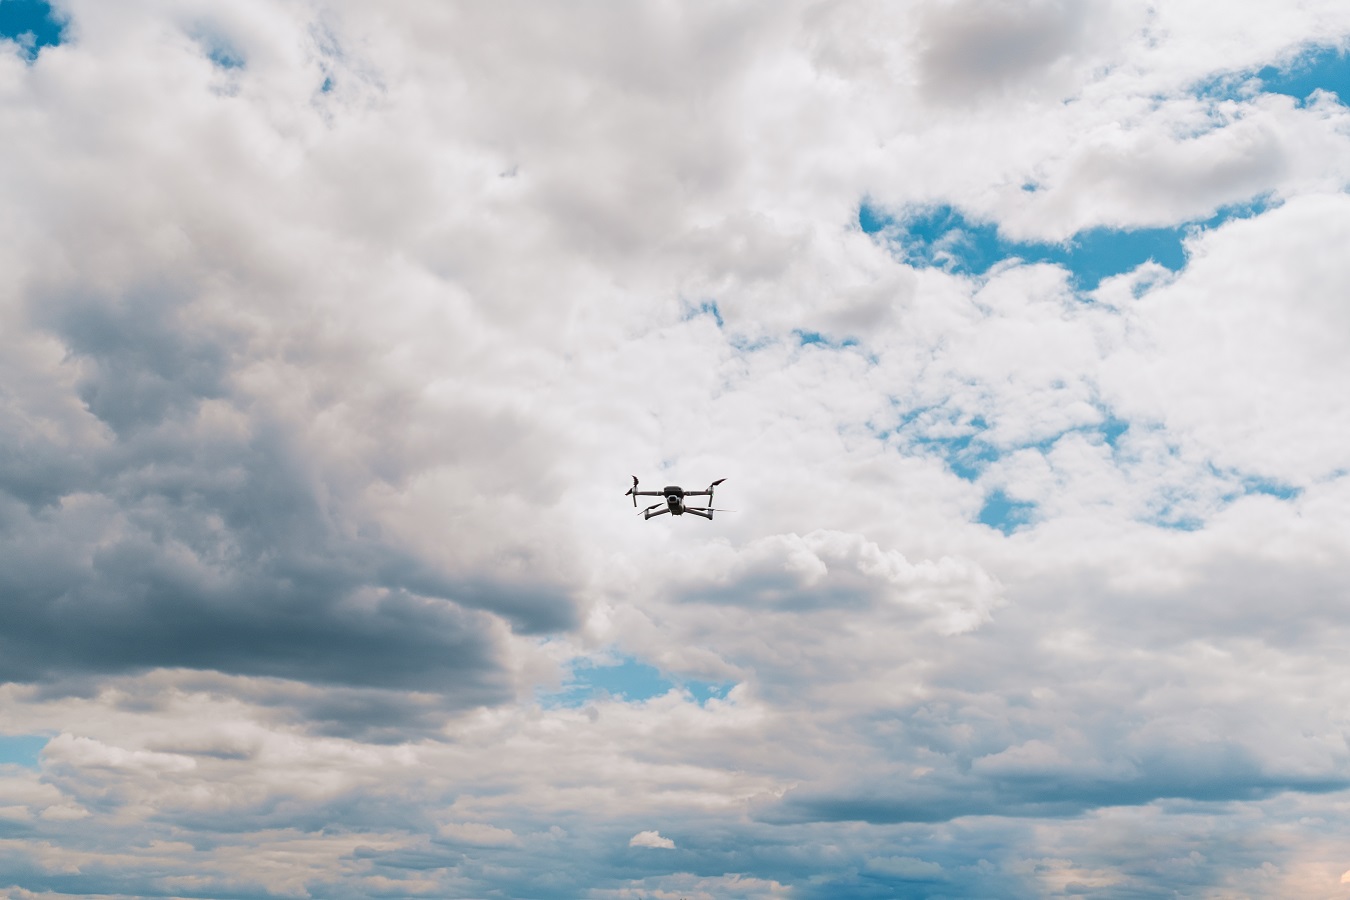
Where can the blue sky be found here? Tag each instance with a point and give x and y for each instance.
(31, 23)
(629, 680)
(1316, 69)
(21, 749)
(332, 338)
(945, 238)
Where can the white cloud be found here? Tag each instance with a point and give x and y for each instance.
(651, 840)
(478, 834)
(908, 868)
(973, 49)
(1257, 391)
(322, 375)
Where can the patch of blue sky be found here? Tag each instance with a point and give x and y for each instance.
(871, 219)
(1319, 68)
(964, 445)
(1109, 431)
(216, 46)
(807, 338)
(967, 456)
(222, 53)
(32, 24)
(628, 680)
(966, 451)
(1271, 489)
(704, 308)
(959, 444)
(1171, 520)
(1112, 429)
(750, 345)
(22, 749)
(703, 691)
(1250, 485)
(942, 236)
(1005, 513)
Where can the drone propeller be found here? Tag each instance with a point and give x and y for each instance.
(712, 508)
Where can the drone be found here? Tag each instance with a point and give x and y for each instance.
(674, 500)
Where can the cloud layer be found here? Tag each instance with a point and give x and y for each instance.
(330, 336)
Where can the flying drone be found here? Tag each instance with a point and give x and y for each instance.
(674, 500)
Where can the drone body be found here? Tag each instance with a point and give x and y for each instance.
(673, 500)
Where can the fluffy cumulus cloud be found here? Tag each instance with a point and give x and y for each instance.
(331, 333)
(651, 839)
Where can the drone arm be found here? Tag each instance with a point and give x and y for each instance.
(647, 513)
(697, 511)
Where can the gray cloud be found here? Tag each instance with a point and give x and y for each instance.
(174, 526)
(1206, 774)
(977, 48)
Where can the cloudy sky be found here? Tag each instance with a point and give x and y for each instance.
(331, 333)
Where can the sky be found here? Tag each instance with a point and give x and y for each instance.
(332, 333)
